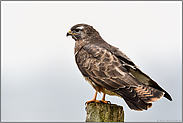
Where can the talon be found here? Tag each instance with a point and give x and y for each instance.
(87, 102)
(95, 101)
(109, 102)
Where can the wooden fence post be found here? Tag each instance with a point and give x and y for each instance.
(100, 112)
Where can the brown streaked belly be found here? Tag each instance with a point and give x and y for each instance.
(99, 88)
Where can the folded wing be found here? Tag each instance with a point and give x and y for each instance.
(109, 69)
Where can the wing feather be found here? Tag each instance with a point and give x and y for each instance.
(107, 66)
(136, 72)
(107, 71)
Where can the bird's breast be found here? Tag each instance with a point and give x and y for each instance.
(99, 88)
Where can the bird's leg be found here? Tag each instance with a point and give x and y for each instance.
(94, 99)
(103, 99)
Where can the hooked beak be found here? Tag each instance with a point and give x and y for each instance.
(69, 33)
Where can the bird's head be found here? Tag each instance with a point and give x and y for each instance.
(82, 32)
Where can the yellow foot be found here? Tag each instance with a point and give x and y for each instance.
(87, 102)
(96, 101)
(91, 101)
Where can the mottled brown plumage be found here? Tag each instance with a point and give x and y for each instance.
(111, 72)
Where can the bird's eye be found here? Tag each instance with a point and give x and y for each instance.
(77, 30)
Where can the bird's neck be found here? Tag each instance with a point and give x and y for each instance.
(78, 45)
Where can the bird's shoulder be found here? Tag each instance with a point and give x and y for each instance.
(99, 48)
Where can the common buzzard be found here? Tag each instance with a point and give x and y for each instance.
(110, 71)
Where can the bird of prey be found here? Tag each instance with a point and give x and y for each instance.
(111, 72)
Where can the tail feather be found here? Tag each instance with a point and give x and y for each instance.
(148, 94)
(145, 79)
(138, 106)
(141, 97)
(155, 85)
(132, 99)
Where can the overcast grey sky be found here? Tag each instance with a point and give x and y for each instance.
(40, 80)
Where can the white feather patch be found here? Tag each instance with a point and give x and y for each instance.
(80, 27)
